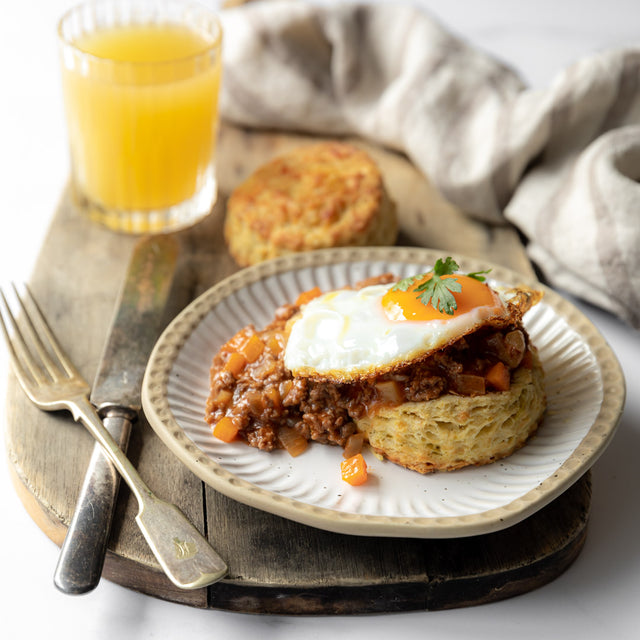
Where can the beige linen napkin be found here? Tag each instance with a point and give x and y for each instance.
(562, 164)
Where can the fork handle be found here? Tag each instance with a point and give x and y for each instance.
(182, 551)
(84, 548)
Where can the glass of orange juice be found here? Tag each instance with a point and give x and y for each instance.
(140, 82)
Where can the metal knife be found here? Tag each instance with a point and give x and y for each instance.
(136, 325)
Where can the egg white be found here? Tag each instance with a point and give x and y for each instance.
(346, 334)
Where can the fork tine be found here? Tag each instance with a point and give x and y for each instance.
(23, 362)
(45, 331)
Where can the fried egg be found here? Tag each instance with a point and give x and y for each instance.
(348, 334)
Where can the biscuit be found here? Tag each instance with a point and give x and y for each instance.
(453, 431)
(328, 194)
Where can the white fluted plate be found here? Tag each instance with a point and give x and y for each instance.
(584, 384)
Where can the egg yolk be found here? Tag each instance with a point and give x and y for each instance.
(472, 294)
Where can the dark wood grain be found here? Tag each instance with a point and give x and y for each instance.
(283, 567)
(276, 566)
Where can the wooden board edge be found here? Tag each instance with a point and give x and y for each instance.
(150, 581)
(50, 525)
(430, 595)
(395, 597)
(117, 569)
(469, 588)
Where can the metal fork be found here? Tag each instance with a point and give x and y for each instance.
(52, 383)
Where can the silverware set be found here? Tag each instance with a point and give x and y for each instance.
(53, 383)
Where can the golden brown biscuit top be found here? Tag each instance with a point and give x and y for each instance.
(330, 185)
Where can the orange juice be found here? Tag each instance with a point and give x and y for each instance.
(142, 112)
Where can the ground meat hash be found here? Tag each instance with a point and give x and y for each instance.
(262, 397)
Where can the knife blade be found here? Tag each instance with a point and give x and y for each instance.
(136, 325)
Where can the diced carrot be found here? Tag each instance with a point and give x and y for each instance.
(225, 429)
(307, 296)
(499, 377)
(354, 470)
(295, 443)
(275, 344)
(527, 359)
(235, 363)
(353, 445)
(252, 348)
(233, 344)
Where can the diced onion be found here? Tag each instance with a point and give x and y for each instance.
(223, 399)
(389, 392)
(273, 395)
(467, 384)
(292, 441)
(353, 445)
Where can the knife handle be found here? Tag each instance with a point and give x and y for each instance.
(84, 548)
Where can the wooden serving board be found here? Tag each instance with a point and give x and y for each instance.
(275, 565)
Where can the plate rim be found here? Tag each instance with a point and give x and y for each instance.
(167, 348)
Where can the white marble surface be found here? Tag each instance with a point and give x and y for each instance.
(597, 597)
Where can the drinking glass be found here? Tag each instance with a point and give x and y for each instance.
(141, 80)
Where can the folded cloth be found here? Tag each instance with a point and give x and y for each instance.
(562, 164)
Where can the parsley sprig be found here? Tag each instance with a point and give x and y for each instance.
(435, 290)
